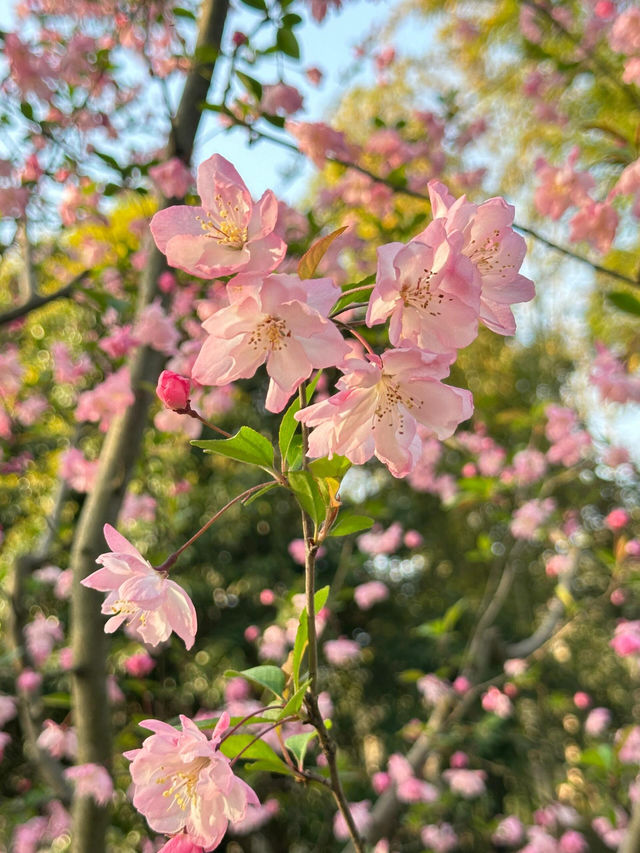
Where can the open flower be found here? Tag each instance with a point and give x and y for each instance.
(150, 604)
(228, 234)
(429, 289)
(380, 405)
(280, 319)
(492, 246)
(183, 782)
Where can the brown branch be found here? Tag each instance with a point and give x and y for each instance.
(38, 300)
(117, 460)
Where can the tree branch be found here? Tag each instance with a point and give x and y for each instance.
(38, 300)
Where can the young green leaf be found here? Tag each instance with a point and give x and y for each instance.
(312, 257)
(350, 523)
(246, 445)
(308, 495)
(298, 745)
(289, 424)
(270, 677)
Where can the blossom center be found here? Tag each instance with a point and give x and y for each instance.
(270, 334)
(488, 257)
(226, 224)
(390, 397)
(184, 783)
(422, 293)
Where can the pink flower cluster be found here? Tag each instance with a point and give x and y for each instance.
(462, 269)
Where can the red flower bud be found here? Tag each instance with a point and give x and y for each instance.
(173, 390)
(239, 38)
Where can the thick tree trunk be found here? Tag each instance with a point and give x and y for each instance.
(117, 461)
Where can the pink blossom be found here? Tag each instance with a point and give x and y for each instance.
(528, 466)
(281, 99)
(172, 178)
(380, 781)
(515, 667)
(560, 422)
(182, 781)
(149, 603)
(615, 456)
(494, 249)
(494, 701)
(561, 188)
(228, 234)
(413, 539)
(79, 472)
(274, 644)
(251, 633)
(573, 842)
(173, 390)
(137, 508)
(314, 75)
(461, 684)
(440, 837)
(629, 752)
(29, 681)
(341, 652)
(529, 517)
(433, 689)
(154, 328)
(380, 405)
(60, 741)
(626, 640)
(91, 780)
(267, 597)
(558, 564)
(597, 721)
(8, 709)
(361, 817)
(467, 783)
(181, 843)
(139, 664)
(120, 342)
(570, 449)
(107, 400)
(631, 74)
(509, 832)
(429, 289)
(582, 700)
(625, 32)
(596, 223)
(11, 372)
(368, 594)
(379, 541)
(255, 817)
(41, 635)
(613, 381)
(632, 548)
(280, 320)
(113, 691)
(31, 410)
(318, 141)
(617, 519)
(459, 760)
(618, 597)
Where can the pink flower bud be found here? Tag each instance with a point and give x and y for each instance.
(617, 519)
(618, 597)
(461, 684)
(267, 597)
(251, 633)
(582, 700)
(173, 390)
(239, 38)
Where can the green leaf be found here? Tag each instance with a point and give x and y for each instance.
(598, 756)
(259, 494)
(270, 677)
(308, 495)
(246, 445)
(250, 84)
(57, 700)
(259, 751)
(291, 20)
(295, 703)
(298, 745)
(625, 302)
(289, 424)
(349, 523)
(26, 110)
(288, 44)
(336, 467)
(269, 767)
(276, 121)
(256, 4)
(179, 12)
(109, 160)
(309, 261)
(360, 296)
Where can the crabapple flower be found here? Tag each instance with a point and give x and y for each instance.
(361, 817)
(8, 709)
(440, 837)
(379, 541)
(509, 832)
(561, 188)
(341, 652)
(173, 390)
(370, 593)
(91, 780)
(597, 721)
(596, 223)
(183, 782)
(430, 291)
(280, 320)
(493, 247)
(172, 178)
(228, 234)
(626, 640)
(379, 406)
(181, 843)
(150, 604)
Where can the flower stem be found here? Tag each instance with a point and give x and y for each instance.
(168, 563)
(193, 414)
